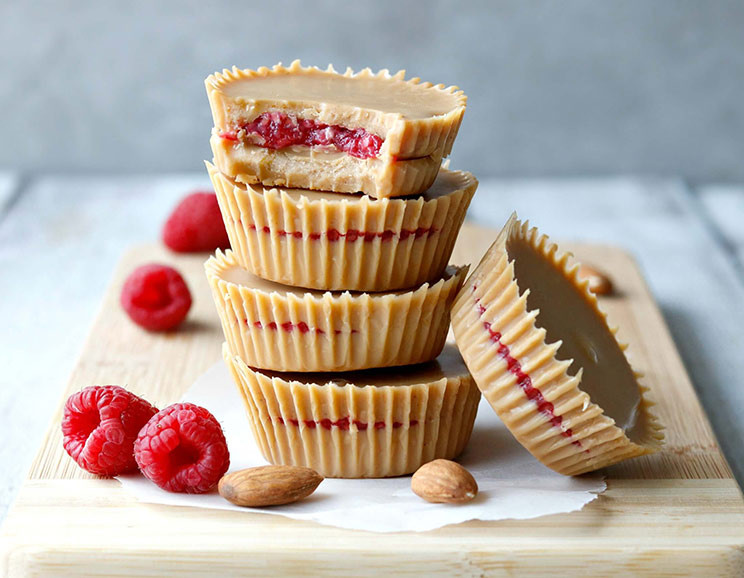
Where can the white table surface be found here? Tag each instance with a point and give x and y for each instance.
(61, 237)
(725, 207)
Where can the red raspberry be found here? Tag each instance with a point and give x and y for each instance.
(182, 449)
(100, 424)
(196, 225)
(156, 297)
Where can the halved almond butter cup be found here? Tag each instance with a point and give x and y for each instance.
(541, 351)
(343, 242)
(370, 424)
(280, 328)
(417, 122)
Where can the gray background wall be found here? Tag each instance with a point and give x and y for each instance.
(556, 88)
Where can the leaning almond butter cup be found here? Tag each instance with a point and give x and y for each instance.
(370, 424)
(404, 128)
(543, 355)
(344, 242)
(280, 328)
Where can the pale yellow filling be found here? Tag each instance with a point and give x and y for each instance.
(448, 365)
(316, 87)
(241, 276)
(446, 183)
(566, 316)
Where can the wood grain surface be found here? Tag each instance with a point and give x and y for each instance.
(677, 512)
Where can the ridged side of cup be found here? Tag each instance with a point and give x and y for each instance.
(365, 245)
(294, 331)
(346, 431)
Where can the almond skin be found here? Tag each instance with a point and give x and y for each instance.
(444, 482)
(599, 283)
(269, 485)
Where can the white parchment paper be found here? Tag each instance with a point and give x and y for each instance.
(512, 483)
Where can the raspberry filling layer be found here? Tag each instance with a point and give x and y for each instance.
(278, 130)
(353, 235)
(288, 326)
(343, 423)
(524, 381)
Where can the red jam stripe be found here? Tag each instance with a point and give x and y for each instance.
(353, 235)
(524, 381)
(302, 327)
(278, 130)
(344, 423)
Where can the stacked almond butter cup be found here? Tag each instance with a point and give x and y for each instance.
(335, 299)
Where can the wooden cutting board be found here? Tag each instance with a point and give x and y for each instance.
(678, 512)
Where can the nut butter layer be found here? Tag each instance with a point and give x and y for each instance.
(319, 129)
(322, 170)
(344, 242)
(375, 423)
(541, 351)
(275, 327)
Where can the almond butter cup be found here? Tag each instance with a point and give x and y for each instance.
(344, 242)
(543, 355)
(275, 327)
(375, 423)
(416, 121)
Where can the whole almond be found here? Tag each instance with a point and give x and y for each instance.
(444, 481)
(269, 485)
(599, 283)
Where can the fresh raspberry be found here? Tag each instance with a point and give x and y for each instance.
(196, 225)
(100, 424)
(156, 297)
(182, 449)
